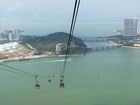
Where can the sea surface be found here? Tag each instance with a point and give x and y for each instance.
(82, 29)
(109, 77)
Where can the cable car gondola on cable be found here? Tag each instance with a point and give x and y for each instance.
(37, 83)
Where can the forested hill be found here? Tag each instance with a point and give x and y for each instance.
(48, 42)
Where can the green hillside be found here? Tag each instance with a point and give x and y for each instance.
(48, 42)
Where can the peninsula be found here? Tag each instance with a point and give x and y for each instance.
(29, 47)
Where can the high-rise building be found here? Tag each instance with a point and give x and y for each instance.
(15, 35)
(60, 47)
(10, 36)
(130, 26)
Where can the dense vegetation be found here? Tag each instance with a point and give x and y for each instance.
(48, 42)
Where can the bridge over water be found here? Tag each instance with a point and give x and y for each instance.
(99, 44)
(97, 39)
(106, 47)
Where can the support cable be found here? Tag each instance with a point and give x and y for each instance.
(73, 22)
(21, 71)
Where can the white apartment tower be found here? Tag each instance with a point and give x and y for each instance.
(131, 26)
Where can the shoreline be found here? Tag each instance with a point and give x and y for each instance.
(26, 58)
(22, 59)
(30, 57)
(131, 47)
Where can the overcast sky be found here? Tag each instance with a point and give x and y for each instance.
(62, 9)
(27, 13)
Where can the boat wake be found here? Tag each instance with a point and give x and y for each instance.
(62, 60)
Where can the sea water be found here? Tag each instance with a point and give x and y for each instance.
(110, 77)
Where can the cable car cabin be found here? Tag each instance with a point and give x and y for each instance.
(37, 85)
(49, 80)
(62, 83)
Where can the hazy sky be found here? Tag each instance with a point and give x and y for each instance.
(19, 12)
(62, 9)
